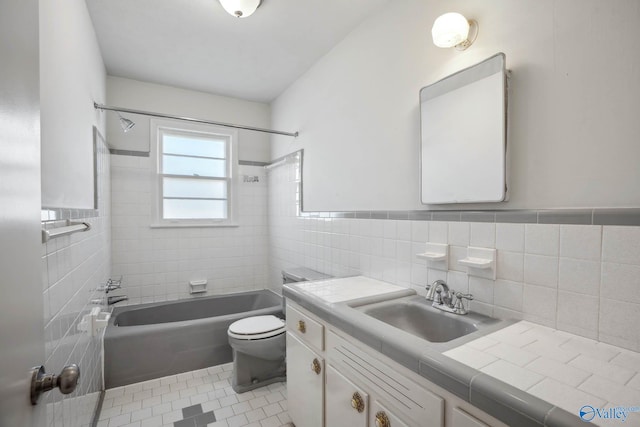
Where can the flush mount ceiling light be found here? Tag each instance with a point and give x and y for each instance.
(126, 124)
(240, 8)
(454, 30)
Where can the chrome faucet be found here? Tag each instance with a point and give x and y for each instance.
(116, 299)
(111, 285)
(431, 289)
(446, 299)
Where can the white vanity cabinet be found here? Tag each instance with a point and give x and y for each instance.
(333, 380)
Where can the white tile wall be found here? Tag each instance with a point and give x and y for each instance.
(157, 264)
(577, 278)
(72, 268)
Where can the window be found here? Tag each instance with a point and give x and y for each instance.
(195, 171)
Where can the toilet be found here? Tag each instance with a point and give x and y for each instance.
(259, 342)
(259, 347)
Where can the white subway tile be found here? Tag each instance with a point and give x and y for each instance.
(482, 289)
(512, 374)
(508, 294)
(403, 229)
(471, 356)
(541, 270)
(581, 241)
(483, 235)
(566, 397)
(438, 232)
(542, 239)
(459, 233)
(579, 276)
(510, 237)
(540, 302)
(621, 244)
(616, 318)
(614, 372)
(578, 310)
(510, 266)
(621, 282)
(566, 374)
(420, 231)
(512, 354)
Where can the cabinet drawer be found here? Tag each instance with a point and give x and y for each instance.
(305, 328)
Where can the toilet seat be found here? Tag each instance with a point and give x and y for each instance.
(256, 327)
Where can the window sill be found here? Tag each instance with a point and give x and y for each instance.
(227, 224)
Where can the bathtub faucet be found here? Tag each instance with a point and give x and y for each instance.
(116, 299)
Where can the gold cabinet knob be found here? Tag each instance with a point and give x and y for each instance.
(301, 326)
(382, 420)
(315, 366)
(357, 402)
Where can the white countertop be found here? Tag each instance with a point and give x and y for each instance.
(352, 290)
(566, 370)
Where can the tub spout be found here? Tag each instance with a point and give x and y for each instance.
(116, 298)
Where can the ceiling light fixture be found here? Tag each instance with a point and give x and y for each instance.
(240, 8)
(454, 30)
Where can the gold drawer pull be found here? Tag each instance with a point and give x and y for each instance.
(357, 402)
(382, 420)
(315, 366)
(301, 326)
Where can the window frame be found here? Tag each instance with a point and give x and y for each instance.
(159, 128)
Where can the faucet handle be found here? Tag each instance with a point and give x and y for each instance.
(458, 307)
(461, 296)
(117, 281)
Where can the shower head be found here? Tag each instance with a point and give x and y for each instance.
(126, 124)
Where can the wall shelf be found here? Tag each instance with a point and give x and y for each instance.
(437, 255)
(480, 262)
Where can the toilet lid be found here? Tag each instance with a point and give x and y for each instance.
(257, 327)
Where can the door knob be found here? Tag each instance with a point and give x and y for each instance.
(41, 382)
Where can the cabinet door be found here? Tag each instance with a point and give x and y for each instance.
(462, 419)
(383, 417)
(305, 382)
(347, 405)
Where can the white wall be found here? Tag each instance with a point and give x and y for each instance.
(583, 279)
(157, 264)
(72, 77)
(575, 95)
(139, 95)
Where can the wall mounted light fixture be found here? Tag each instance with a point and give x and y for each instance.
(454, 30)
(240, 8)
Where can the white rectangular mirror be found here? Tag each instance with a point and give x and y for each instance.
(463, 132)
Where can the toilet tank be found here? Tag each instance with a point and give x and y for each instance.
(302, 274)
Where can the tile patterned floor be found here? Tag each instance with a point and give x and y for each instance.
(195, 399)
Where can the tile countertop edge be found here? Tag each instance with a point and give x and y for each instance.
(498, 399)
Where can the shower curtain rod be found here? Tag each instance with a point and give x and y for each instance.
(190, 119)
